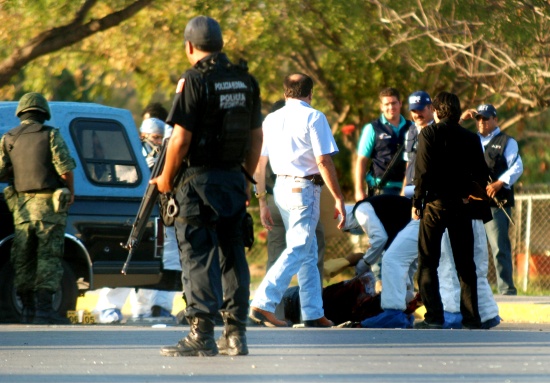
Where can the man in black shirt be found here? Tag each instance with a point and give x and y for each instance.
(217, 119)
(449, 164)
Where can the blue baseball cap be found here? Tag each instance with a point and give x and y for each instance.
(486, 110)
(418, 100)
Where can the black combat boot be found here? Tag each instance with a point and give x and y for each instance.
(233, 339)
(45, 313)
(199, 342)
(27, 299)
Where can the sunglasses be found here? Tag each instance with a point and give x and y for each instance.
(483, 118)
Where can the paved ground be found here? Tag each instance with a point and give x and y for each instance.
(518, 350)
(101, 353)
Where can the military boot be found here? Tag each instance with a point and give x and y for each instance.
(199, 342)
(233, 339)
(45, 313)
(27, 299)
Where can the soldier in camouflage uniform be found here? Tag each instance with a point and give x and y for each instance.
(37, 161)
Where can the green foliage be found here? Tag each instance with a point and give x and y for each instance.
(485, 51)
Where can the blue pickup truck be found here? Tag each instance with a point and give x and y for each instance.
(110, 180)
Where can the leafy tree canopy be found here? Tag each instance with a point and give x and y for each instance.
(128, 52)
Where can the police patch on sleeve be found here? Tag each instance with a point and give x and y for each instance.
(181, 83)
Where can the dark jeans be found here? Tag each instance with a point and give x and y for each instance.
(215, 272)
(497, 234)
(438, 216)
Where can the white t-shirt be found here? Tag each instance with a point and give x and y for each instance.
(293, 136)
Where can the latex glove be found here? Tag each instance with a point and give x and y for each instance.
(362, 267)
(150, 161)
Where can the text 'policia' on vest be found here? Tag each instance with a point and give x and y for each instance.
(224, 139)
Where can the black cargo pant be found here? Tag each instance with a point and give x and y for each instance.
(438, 216)
(215, 272)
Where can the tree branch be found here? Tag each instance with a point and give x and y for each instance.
(60, 37)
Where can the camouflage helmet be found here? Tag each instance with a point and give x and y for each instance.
(33, 101)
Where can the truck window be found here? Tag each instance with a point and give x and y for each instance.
(105, 152)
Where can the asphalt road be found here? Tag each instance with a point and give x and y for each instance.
(123, 353)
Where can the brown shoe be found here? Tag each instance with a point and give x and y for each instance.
(321, 322)
(265, 318)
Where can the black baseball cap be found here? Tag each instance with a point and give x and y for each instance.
(204, 33)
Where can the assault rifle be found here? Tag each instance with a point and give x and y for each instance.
(147, 204)
(500, 204)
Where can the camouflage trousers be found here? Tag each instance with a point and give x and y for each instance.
(36, 255)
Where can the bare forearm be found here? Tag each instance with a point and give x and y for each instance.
(359, 177)
(69, 181)
(259, 176)
(328, 171)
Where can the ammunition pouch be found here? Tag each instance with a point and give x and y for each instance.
(60, 200)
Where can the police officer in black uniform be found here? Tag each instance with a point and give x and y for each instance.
(217, 127)
(449, 163)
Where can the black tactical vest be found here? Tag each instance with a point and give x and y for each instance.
(496, 162)
(384, 150)
(28, 147)
(223, 137)
(393, 211)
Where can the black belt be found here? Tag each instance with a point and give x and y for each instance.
(317, 179)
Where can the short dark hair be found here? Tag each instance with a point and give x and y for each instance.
(297, 85)
(447, 105)
(389, 92)
(155, 109)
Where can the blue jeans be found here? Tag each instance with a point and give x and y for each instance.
(298, 201)
(499, 240)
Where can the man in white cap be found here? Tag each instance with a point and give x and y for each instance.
(505, 166)
(151, 134)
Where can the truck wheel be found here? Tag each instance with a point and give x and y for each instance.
(64, 299)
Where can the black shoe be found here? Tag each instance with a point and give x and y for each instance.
(45, 313)
(49, 317)
(427, 326)
(199, 342)
(190, 346)
(232, 344)
(233, 339)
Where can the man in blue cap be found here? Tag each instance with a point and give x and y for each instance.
(505, 167)
(420, 106)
